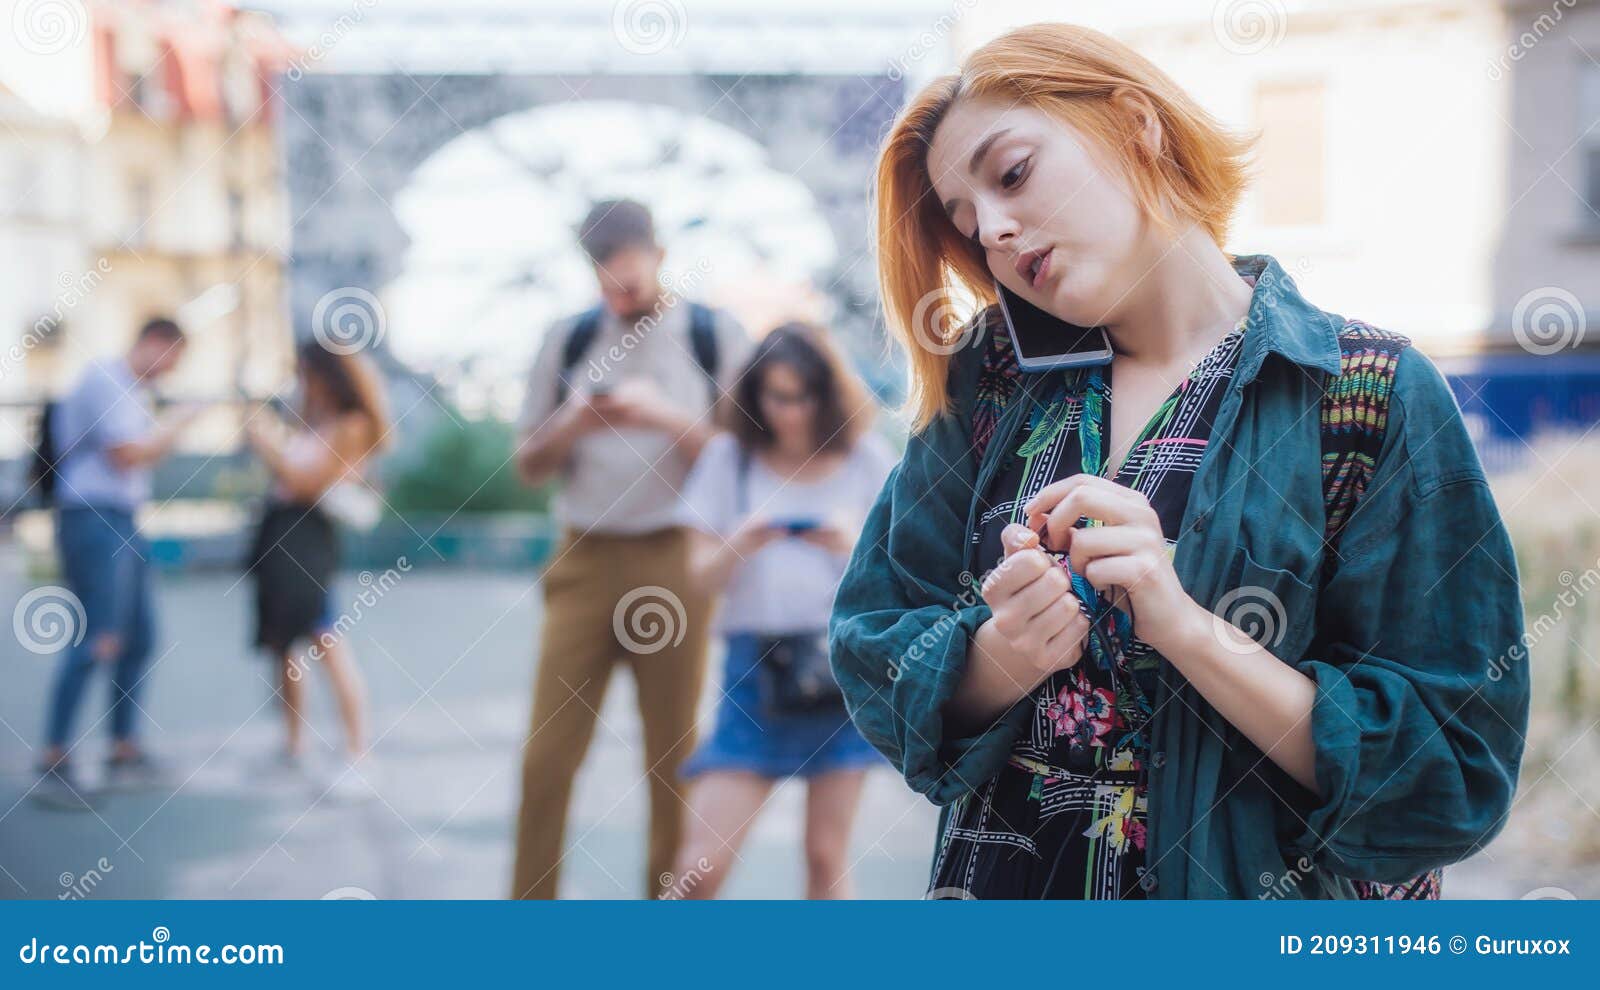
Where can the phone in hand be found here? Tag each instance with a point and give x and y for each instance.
(1043, 342)
(797, 525)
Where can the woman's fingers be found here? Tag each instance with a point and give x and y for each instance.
(1058, 507)
(1015, 572)
(1094, 542)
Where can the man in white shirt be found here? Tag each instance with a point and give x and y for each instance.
(619, 403)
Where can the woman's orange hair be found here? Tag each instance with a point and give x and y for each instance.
(1071, 72)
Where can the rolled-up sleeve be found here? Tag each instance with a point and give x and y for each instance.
(905, 613)
(1420, 663)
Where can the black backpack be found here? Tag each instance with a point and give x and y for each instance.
(46, 458)
(702, 340)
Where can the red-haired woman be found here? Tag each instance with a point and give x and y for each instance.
(1093, 725)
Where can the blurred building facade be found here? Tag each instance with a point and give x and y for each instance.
(1431, 166)
(1423, 164)
(140, 175)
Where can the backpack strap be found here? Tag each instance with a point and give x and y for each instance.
(997, 381)
(579, 339)
(702, 341)
(1355, 416)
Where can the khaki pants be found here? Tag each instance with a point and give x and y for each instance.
(610, 599)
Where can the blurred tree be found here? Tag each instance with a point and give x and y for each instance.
(465, 465)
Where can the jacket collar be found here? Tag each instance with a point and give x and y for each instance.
(1281, 322)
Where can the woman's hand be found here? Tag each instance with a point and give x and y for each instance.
(1126, 557)
(1036, 628)
(832, 537)
(753, 534)
(1034, 608)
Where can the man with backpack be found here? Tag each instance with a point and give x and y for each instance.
(618, 406)
(100, 446)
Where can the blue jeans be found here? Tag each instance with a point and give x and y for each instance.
(104, 560)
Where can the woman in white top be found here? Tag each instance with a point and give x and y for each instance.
(342, 420)
(776, 504)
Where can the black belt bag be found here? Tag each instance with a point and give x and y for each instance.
(795, 675)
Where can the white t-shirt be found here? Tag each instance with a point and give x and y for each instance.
(788, 585)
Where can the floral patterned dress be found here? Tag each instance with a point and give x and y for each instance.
(1065, 818)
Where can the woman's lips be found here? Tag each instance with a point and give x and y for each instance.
(1044, 269)
(1026, 262)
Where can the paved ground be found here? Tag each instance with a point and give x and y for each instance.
(448, 659)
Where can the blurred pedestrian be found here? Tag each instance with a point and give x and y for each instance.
(617, 409)
(106, 441)
(316, 462)
(776, 504)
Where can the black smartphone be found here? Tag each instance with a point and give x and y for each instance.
(797, 526)
(1044, 342)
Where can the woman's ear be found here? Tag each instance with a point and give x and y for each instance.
(1144, 122)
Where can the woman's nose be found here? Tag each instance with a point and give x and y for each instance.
(996, 229)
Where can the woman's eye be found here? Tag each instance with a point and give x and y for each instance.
(1015, 174)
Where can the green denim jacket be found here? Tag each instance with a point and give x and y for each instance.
(1420, 709)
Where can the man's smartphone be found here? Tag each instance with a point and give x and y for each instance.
(796, 526)
(602, 390)
(1043, 342)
